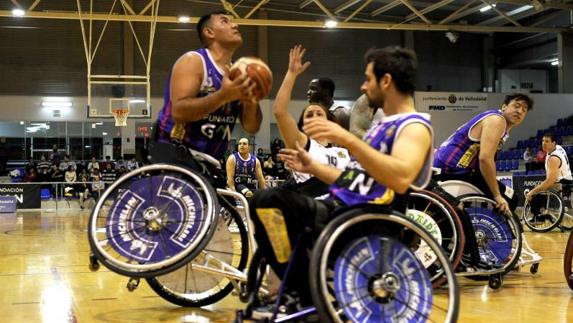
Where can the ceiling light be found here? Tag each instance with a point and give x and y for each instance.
(555, 62)
(331, 24)
(137, 101)
(104, 133)
(56, 104)
(487, 8)
(18, 12)
(183, 19)
(22, 123)
(452, 36)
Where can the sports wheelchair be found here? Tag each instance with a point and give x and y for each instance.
(370, 264)
(167, 224)
(496, 238)
(549, 209)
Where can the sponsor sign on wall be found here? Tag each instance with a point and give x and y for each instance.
(7, 204)
(27, 195)
(521, 183)
(450, 101)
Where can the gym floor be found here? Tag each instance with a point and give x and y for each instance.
(44, 277)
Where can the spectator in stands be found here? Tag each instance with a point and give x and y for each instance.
(93, 164)
(528, 158)
(132, 164)
(43, 169)
(31, 175)
(276, 145)
(55, 156)
(84, 187)
(98, 185)
(119, 164)
(70, 177)
(109, 174)
(269, 167)
(539, 159)
(104, 164)
(56, 176)
(65, 163)
(31, 164)
(261, 155)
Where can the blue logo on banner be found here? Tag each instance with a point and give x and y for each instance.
(7, 204)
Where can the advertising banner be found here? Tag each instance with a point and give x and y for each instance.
(27, 195)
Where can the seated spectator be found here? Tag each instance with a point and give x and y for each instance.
(104, 164)
(93, 164)
(539, 160)
(70, 178)
(269, 167)
(43, 169)
(132, 164)
(119, 164)
(98, 185)
(31, 175)
(63, 166)
(109, 174)
(30, 165)
(84, 188)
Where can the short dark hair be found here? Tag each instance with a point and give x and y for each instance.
(399, 62)
(519, 97)
(203, 21)
(329, 115)
(327, 83)
(551, 136)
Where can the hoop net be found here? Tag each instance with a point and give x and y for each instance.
(120, 116)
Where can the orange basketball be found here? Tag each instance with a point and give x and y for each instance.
(258, 71)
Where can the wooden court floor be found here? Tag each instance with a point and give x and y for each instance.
(44, 277)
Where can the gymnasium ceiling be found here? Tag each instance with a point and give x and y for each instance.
(522, 16)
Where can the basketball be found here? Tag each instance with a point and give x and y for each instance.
(258, 71)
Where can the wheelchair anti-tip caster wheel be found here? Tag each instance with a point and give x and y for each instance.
(534, 269)
(94, 264)
(132, 284)
(243, 295)
(495, 281)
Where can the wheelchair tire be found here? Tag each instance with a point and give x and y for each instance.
(153, 220)
(442, 221)
(568, 261)
(190, 287)
(346, 261)
(499, 237)
(550, 218)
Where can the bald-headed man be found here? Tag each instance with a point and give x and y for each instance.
(242, 169)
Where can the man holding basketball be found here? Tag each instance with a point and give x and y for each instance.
(201, 102)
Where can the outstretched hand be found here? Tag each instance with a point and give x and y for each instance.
(295, 64)
(296, 159)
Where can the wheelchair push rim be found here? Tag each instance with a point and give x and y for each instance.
(551, 212)
(398, 288)
(152, 220)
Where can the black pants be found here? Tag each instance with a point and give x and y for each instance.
(303, 219)
(478, 181)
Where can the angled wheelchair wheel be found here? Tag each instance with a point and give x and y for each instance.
(568, 262)
(544, 212)
(152, 220)
(498, 235)
(363, 269)
(441, 220)
(203, 281)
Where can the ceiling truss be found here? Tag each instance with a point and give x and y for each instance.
(444, 15)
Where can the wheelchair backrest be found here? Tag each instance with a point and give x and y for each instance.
(459, 188)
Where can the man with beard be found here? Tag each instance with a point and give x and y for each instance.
(394, 157)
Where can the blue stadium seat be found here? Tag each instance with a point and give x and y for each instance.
(515, 164)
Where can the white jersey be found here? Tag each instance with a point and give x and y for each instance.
(564, 167)
(333, 156)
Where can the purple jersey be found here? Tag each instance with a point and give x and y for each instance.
(355, 186)
(211, 134)
(245, 170)
(459, 153)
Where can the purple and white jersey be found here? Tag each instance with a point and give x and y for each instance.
(355, 186)
(245, 170)
(211, 134)
(459, 153)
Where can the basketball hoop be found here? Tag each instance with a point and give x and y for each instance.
(120, 116)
